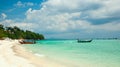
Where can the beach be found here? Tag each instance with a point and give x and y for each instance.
(12, 54)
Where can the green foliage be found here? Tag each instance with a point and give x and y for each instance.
(2, 33)
(17, 33)
(1, 27)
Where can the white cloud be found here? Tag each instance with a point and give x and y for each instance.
(23, 4)
(29, 4)
(3, 16)
(58, 22)
(66, 16)
(110, 9)
(70, 6)
(57, 15)
(19, 4)
(111, 26)
(22, 25)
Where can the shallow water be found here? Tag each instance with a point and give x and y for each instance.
(98, 53)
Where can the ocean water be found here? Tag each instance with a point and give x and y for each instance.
(98, 53)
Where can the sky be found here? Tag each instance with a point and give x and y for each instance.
(64, 19)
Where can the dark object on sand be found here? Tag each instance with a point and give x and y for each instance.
(27, 42)
(84, 41)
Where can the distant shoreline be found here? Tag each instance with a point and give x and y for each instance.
(88, 38)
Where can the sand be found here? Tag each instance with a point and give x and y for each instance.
(12, 54)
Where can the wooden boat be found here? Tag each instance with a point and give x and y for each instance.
(84, 41)
(27, 41)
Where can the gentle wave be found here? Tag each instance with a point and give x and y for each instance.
(40, 55)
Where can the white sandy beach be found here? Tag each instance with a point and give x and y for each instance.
(8, 57)
(14, 55)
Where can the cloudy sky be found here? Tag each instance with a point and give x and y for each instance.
(64, 19)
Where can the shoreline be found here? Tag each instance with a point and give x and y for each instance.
(9, 57)
(18, 56)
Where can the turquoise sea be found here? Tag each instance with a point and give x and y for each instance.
(98, 53)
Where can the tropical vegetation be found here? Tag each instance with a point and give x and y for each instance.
(17, 33)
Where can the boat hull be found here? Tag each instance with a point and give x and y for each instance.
(84, 41)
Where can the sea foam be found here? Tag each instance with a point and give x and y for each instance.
(40, 55)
